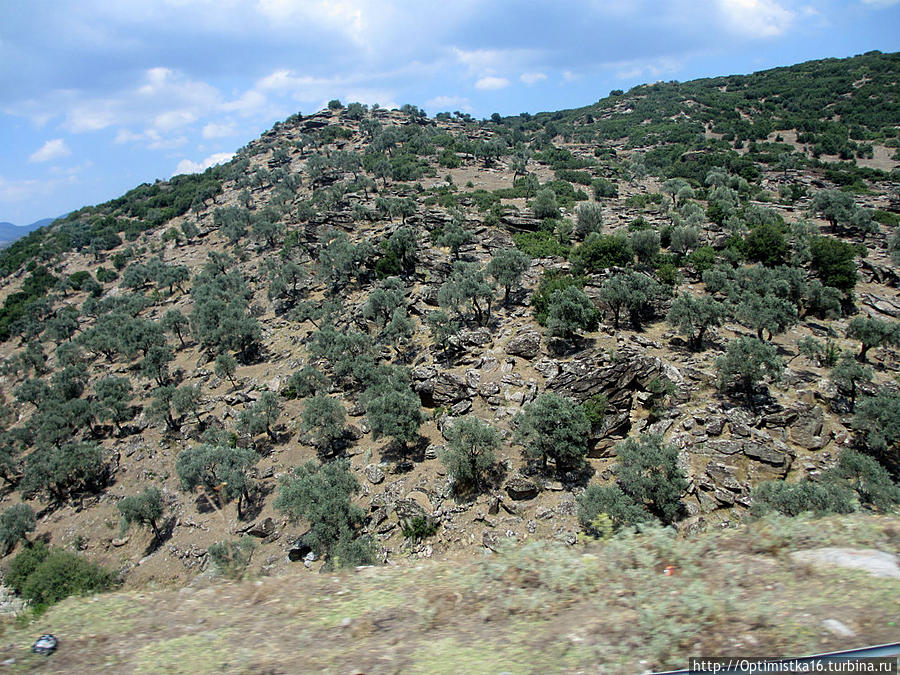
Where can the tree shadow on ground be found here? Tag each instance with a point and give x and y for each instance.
(165, 533)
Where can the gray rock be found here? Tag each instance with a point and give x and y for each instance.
(448, 388)
(374, 473)
(763, 452)
(838, 628)
(262, 529)
(877, 563)
(809, 430)
(526, 343)
(520, 488)
(475, 338)
(461, 407)
(409, 508)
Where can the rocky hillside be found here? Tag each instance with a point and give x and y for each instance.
(398, 335)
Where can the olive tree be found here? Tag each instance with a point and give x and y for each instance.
(261, 415)
(113, 399)
(544, 204)
(570, 310)
(877, 420)
(145, 508)
(694, 315)
(321, 495)
(471, 451)
(507, 267)
(588, 218)
(649, 483)
(748, 361)
(225, 366)
(323, 417)
(873, 333)
(553, 427)
(394, 411)
(15, 524)
(217, 470)
(848, 374)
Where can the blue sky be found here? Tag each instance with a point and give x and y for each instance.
(101, 96)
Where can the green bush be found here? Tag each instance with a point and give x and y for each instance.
(792, 499)
(540, 244)
(230, 558)
(766, 244)
(23, 564)
(419, 528)
(551, 281)
(601, 251)
(604, 188)
(595, 408)
(44, 576)
(834, 260)
(702, 259)
(608, 500)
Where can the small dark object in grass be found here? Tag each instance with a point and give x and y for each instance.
(46, 645)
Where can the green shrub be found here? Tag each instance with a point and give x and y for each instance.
(595, 408)
(23, 564)
(105, 275)
(886, 217)
(551, 281)
(604, 188)
(601, 251)
(834, 260)
(792, 499)
(702, 259)
(540, 244)
(419, 528)
(619, 509)
(44, 576)
(230, 558)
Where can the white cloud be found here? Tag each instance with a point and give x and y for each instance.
(532, 78)
(442, 103)
(491, 83)
(756, 18)
(569, 76)
(53, 149)
(71, 171)
(148, 103)
(28, 189)
(17, 190)
(344, 16)
(219, 130)
(153, 138)
(647, 70)
(489, 61)
(189, 166)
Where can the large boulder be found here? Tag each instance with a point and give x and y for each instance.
(520, 488)
(809, 430)
(445, 388)
(526, 343)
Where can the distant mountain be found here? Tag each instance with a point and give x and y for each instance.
(10, 232)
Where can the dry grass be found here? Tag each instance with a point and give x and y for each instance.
(540, 607)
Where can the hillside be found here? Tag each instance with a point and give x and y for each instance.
(678, 304)
(10, 232)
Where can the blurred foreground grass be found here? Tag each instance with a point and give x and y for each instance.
(609, 606)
